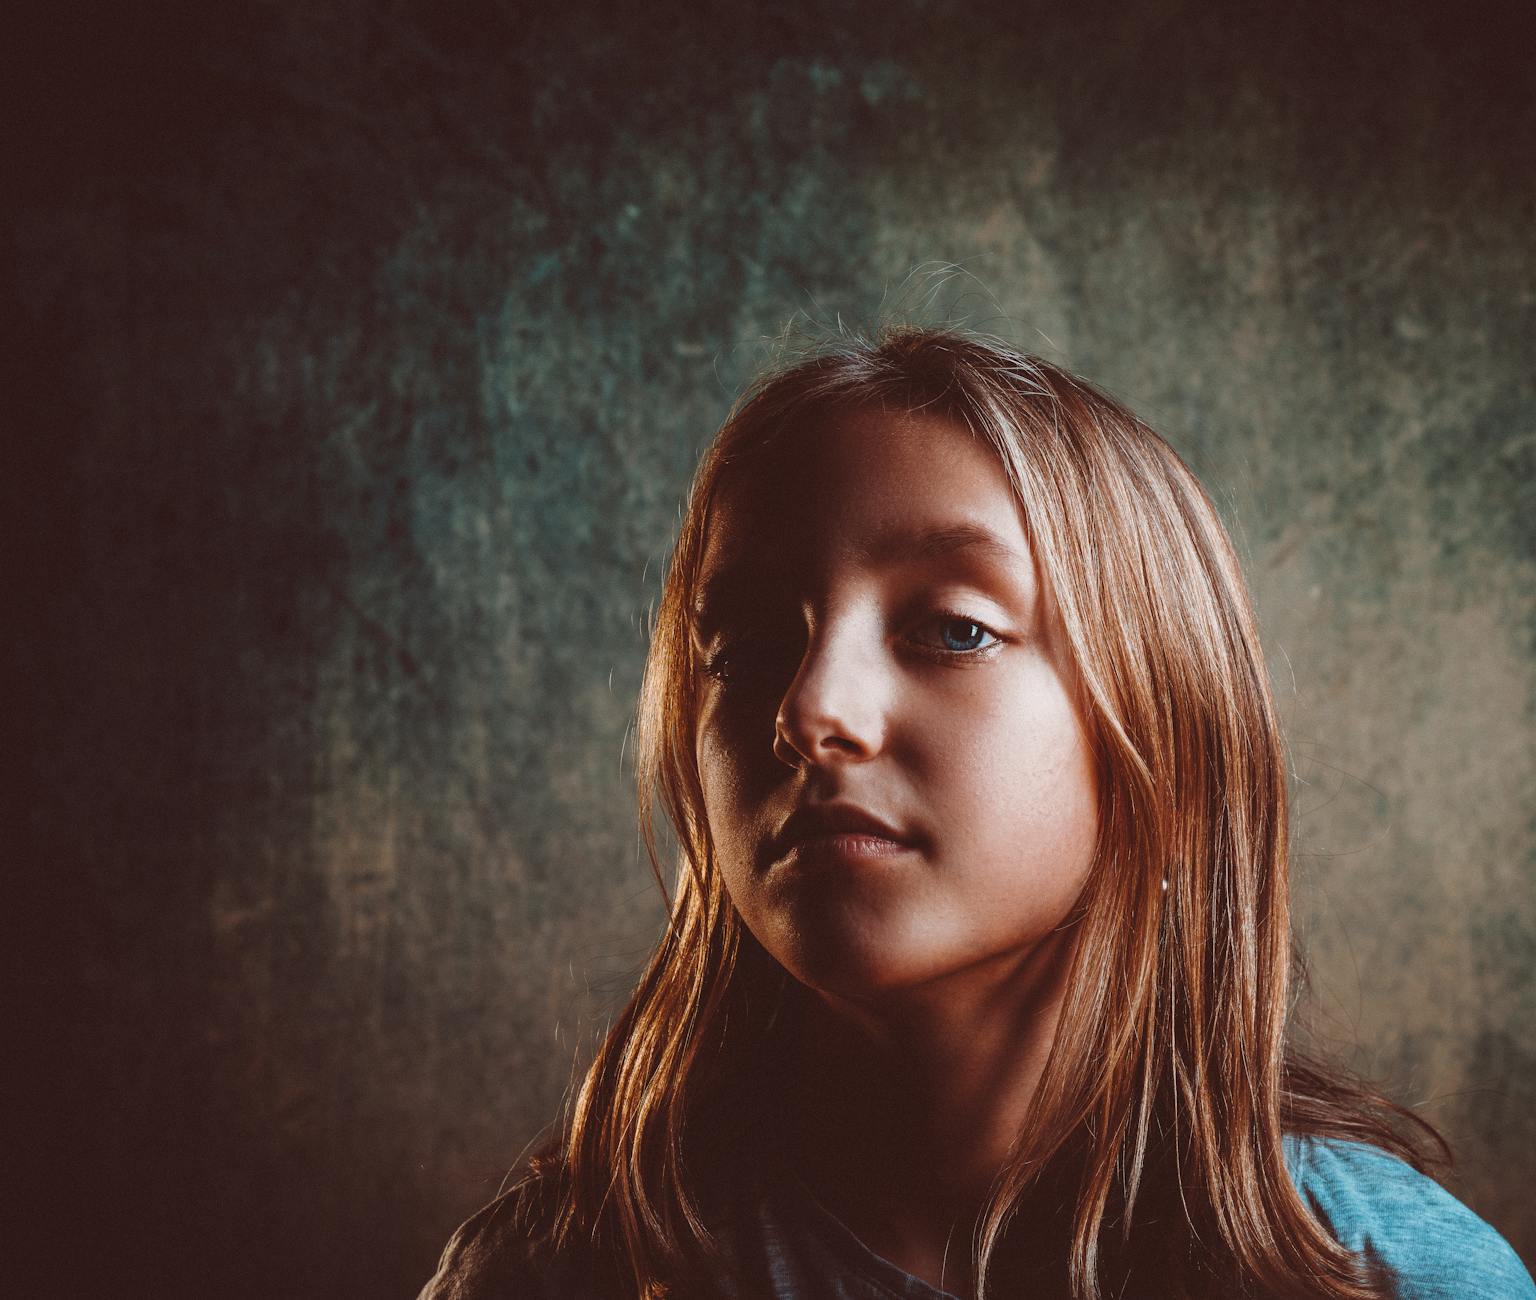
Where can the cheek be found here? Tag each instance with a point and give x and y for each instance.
(1019, 786)
(728, 791)
(717, 778)
(732, 804)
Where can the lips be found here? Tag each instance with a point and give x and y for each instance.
(823, 822)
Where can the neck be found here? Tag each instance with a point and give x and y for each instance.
(907, 1105)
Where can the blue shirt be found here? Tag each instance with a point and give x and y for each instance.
(1379, 1207)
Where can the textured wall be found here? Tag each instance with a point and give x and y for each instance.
(362, 359)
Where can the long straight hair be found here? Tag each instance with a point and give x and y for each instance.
(1171, 1079)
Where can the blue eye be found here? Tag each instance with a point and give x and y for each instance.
(959, 635)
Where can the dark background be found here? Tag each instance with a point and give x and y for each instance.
(358, 357)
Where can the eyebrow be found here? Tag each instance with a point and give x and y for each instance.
(889, 547)
(898, 546)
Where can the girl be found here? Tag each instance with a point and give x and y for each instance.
(977, 969)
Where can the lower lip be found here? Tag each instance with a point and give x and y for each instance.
(848, 848)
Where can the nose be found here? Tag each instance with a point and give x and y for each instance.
(832, 711)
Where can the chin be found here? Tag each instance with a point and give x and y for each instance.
(873, 964)
(858, 965)
(847, 976)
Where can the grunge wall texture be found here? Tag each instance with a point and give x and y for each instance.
(359, 358)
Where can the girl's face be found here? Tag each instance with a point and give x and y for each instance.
(876, 644)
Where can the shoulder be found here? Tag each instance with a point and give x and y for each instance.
(495, 1255)
(1386, 1211)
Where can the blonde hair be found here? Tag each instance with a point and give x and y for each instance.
(1171, 1080)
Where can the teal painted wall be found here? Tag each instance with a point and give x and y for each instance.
(361, 362)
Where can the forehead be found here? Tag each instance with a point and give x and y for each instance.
(869, 488)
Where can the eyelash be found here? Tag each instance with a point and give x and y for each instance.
(717, 665)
